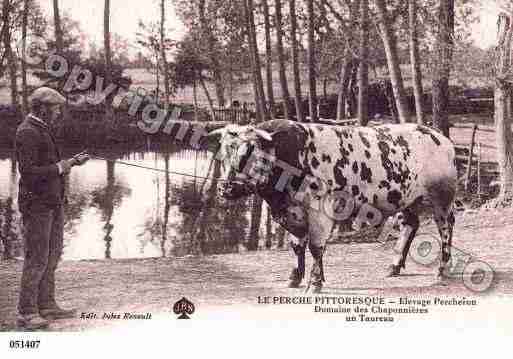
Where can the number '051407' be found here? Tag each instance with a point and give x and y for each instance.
(24, 344)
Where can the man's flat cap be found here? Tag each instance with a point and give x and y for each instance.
(47, 95)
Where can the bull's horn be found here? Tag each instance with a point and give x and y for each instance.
(263, 134)
(212, 126)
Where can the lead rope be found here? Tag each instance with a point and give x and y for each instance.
(155, 169)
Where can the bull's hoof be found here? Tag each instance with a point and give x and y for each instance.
(394, 271)
(442, 280)
(317, 287)
(443, 277)
(295, 279)
(294, 283)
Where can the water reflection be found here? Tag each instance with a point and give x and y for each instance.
(116, 211)
(10, 235)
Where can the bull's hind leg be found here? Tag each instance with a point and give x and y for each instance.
(444, 218)
(298, 273)
(409, 224)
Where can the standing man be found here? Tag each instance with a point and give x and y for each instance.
(40, 200)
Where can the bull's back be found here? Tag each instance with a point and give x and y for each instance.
(386, 166)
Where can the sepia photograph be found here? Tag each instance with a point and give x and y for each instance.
(224, 161)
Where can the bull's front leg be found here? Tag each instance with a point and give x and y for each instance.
(298, 273)
(320, 229)
(317, 273)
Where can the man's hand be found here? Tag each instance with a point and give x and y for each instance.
(80, 159)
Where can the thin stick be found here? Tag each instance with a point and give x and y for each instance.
(479, 171)
(470, 156)
(153, 168)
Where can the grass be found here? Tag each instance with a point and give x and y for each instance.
(231, 283)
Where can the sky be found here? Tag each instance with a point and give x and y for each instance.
(125, 16)
(485, 33)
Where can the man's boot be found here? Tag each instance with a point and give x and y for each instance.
(31, 322)
(57, 313)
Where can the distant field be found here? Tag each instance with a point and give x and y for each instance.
(5, 94)
(243, 93)
(142, 78)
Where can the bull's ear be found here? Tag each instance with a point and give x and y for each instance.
(212, 141)
(266, 136)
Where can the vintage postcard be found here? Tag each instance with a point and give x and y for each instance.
(326, 164)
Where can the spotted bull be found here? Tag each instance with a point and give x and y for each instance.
(380, 171)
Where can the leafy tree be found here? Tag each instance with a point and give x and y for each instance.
(17, 17)
(388, 35)
(443, 57)
(189, 68)
(7, 19)
(218, 29)
(503, 107)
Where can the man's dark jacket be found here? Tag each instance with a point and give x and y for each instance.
(37, 155)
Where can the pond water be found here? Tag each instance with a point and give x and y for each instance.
(118, 211)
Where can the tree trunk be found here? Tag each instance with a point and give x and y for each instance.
(503, 107)
(24, 95)
(352, 88)
(345, 75)
(416, 66)
(106, 42)
(231, 78)
(109, 111)
(268, 58)
(256, 218)
(256, 97)
(256, 206)
(195, 98)
(157, 77)
(9, 54)
(163, 56)
(207, 95)
(167, 204)
(212, 54)
(259, 83)
(312, 87)
(280, 234)
(443, 52)
(219, 87)
(59, 43)
(390, 42)
(5, 27)
(199, 231)
(8, 236)
(281, 59)
(268, 229)
(108, 209)
(363, 71)
(298, 97)
(504, 140)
